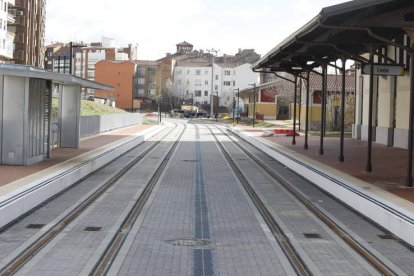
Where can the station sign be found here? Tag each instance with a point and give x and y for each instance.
(384, 69)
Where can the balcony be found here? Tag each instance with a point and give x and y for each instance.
(19, 55)
(21, 4)
(19, 38)
(10, 18)
(19, 20)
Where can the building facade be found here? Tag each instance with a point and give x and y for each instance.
(29, 30)
(57, 58)
(6, 35)
(201, 77)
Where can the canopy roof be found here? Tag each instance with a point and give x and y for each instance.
(34, 72)
(346, 30)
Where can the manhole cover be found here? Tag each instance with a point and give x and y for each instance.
(188, 242)
(312, 235)
(92, 229)
(35, 226)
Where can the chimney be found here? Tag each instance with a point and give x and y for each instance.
(168, 54)
(239, 50)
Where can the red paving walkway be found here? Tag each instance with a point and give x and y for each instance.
(389, 165)
(11, 173)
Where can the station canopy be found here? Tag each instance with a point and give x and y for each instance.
(343, 31)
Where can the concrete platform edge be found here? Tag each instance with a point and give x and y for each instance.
(394, 214)
(21, 196)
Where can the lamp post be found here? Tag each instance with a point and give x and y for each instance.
(254, 102)
(134, 78)
(212, 77)
(234, 104)
(217, 105)
(71, 46)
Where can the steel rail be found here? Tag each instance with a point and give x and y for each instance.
(294, 258)
(29, 252)
(104, 263)
(348, 239)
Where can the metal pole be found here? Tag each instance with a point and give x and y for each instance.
(300, 104)
(294, 109)
(217, 106)
(70, 57)
(238, 104)
(368, 167)
(307, 111)
(254, 103)
(234, 106)
(341, 154)
(409, 178)
(323, 103)
(132, 95)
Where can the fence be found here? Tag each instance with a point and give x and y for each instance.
(94, 125)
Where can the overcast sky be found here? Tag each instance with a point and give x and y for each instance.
(156, 26)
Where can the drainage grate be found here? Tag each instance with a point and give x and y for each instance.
(387, 237)
(190, 160)
(35, 226)
(312, 236)
(92, 229)
(188, 242)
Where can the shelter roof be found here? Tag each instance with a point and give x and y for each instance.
(34, 72)
(346, 30)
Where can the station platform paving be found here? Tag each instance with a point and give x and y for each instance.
(9, 174)
(388, 173)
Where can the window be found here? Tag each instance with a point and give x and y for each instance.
(227, 72)
(141, 81)
(317, 97)
(205, 93)
(188, 71)
(198, 72)
(206, 82)
(226, 83)
(215, 87)
(197, 83)
(234, 83)
(206, 72)
(197, 93)
(216, 77)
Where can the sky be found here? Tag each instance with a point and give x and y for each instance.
(156, 26)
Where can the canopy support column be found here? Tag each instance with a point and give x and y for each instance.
(341, 154)
(307, 111)
(368, 166)
(409, 177)
(323, 105)
(294, 109)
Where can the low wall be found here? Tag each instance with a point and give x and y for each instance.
(93, 125)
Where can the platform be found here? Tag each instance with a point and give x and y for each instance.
(385, 182)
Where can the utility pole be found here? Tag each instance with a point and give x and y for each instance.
(210, 51)
(254, 102)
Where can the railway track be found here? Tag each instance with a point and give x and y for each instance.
(30, 251)
(291, 253)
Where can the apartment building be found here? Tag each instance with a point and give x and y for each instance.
(133, 82)
(57, 58)
(6, 36)
(198, 77)
(29, 30)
